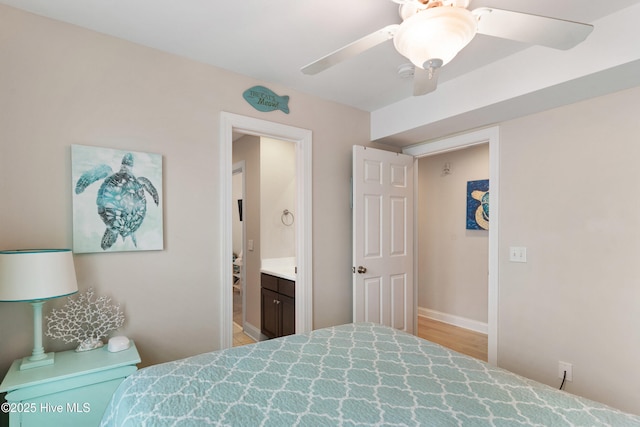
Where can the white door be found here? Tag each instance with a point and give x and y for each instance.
(383, 288)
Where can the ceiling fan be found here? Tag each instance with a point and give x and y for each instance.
(432, 32)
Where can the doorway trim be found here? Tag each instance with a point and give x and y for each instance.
(491, 136)
(230, 123)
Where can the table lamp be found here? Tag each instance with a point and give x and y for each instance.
(35, 276)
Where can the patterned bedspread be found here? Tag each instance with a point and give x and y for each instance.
(351, 375)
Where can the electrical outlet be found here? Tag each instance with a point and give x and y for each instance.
(568, 367)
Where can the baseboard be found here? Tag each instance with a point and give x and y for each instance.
(461, 322)
(253, 332)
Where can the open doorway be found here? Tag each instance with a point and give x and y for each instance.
(231, 124)
(264, 239)
(453, 247)
(488, 136)
(238, 257)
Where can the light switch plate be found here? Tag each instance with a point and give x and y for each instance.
(518, 254)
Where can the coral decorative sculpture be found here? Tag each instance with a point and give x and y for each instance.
(85, 320)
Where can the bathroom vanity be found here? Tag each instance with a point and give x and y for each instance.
(277, 300)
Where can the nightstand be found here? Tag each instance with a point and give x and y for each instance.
(74, 391)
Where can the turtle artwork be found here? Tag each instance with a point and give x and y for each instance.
(478, 205)
(121, 199)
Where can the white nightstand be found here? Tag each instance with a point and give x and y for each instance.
(74, 391)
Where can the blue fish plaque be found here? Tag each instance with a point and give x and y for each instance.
(264, 99)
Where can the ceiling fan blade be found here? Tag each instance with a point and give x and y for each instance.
(352, 49)
(425, 81)
(534, 29)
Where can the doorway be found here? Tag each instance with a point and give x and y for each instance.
(232, 123)
(453, 248)
(482, 136)
(239, 270)
(268, 241)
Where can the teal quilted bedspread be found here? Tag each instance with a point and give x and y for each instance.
(350, 375)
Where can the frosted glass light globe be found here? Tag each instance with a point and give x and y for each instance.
(435, 33)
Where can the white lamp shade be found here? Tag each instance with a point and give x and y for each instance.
(33, 275)
(435, 33)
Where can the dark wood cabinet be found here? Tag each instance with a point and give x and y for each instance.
(278, 307)
(270, 318)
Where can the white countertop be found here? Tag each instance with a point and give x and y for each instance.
(284, 268)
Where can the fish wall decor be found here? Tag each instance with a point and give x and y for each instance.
(265, 100)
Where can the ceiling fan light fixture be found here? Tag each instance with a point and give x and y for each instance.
(435, 33)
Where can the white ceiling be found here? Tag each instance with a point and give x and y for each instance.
(271, 40)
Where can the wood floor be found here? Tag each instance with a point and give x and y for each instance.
(239, 337)
(462, 340)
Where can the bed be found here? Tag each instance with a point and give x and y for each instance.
(359, 374)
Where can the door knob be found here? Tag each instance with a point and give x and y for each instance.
(361, 270)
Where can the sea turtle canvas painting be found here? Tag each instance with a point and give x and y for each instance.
(117, 200)
(478, 205)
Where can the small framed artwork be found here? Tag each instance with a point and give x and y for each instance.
(117, 200)
(478, 205)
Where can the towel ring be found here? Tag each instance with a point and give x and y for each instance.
(284, 218)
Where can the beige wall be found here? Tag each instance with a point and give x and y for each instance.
(569, 193)
(277, 193)
(453, 261)
(63, 85)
